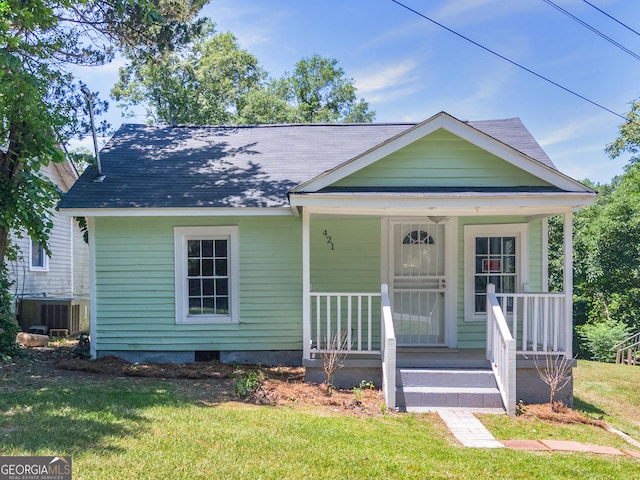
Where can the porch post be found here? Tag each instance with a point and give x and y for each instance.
(306, 287)
(568, 281)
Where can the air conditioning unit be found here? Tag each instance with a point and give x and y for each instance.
(69, 315)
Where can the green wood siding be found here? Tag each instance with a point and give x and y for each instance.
(444, 160)
(350, 261)
(345, 258)
(135, 279)
(473, 334)
(135, 286)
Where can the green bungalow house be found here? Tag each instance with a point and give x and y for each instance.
(275, 244)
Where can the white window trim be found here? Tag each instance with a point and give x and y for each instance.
(180, 237)
(32, 268)
(518, 230)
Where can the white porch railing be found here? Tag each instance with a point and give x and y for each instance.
(501, 351)
(388, 346)
(348, 321)
(538, 322)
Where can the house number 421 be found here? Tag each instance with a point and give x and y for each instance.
(329, 240)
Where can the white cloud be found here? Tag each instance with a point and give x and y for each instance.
(463, 12)
(372, 85)
(571, 131)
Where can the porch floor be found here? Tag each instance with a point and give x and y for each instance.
(441, 357)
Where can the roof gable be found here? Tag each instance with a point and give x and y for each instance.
(539, 169)
(440, 159)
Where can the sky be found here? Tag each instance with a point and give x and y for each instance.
(409, 68)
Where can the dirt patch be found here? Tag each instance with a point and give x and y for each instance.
(559, 414)
(214, 382)
(206, 382)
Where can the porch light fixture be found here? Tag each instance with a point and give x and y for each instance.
(436, 219)
(99, 176)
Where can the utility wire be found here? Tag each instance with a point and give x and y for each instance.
(593, 29)
(493, 52)
(612, 18)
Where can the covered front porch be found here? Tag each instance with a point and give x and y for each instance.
(401, 303)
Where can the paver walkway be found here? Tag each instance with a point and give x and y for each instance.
(467, 429)
(470, 432)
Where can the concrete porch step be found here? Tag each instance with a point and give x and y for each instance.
(429, 389)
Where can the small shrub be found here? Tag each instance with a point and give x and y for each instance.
(556, 373)
(247, 383)
(333, 356)
(358, 389)
(600, 338)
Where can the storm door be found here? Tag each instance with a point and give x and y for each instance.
(417, 282)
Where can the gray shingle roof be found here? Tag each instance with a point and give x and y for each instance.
(245, 166)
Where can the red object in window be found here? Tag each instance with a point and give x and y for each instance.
(491, 266)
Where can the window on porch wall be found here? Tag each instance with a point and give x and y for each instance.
(495, 263)
(496, 254)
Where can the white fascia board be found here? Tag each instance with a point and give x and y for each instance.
(439, 211)
(175, 212)
(461, 129)
(513, 156)
(529, 203)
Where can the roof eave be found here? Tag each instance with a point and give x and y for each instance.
(175, 211)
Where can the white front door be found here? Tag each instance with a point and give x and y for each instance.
(417, 282)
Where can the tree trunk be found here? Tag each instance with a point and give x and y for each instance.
(4, 238)
(10, 166)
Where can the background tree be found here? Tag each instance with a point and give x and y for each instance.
(213, 81)
(203, 82)
(606, 252)
(320, 93)
(40, 104)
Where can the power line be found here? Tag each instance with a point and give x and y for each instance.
(612, 18)
(593, 29)
(493, 52)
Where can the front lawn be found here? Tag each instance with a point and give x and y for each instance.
(610, 391)
(149, 428)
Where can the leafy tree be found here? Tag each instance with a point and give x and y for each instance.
(213, 81)
(607, 251)
(319, 92)
(628, 139)
(40, 104)
(265, 106)
(204, 82)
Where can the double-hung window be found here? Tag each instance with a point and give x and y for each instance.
(495, 254)
(206, 274)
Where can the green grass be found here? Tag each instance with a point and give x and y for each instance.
(611, 392)
(601, 391)
(143, 428)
